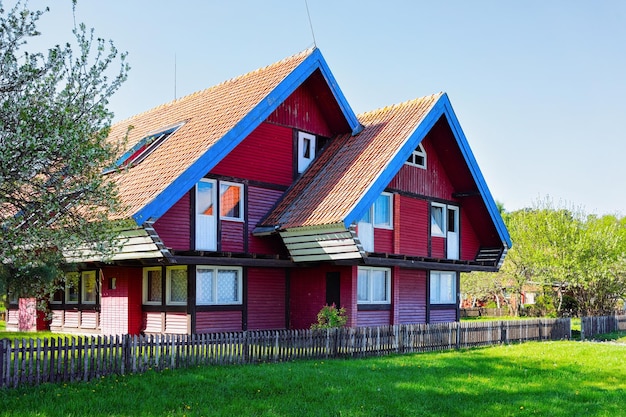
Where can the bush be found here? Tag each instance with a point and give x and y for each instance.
(329, 317)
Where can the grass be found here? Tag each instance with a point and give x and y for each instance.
(539, 379)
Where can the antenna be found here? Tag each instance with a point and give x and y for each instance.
(175, 96)
(310, 23)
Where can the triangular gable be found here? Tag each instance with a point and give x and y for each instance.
(215, 153)
(442, 107)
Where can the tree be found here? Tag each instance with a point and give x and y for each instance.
(54, 123)
(576, 255)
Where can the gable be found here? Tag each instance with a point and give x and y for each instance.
(216, 121)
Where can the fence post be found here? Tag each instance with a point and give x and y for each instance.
(3, 351)
(458, 335)
(125, 353)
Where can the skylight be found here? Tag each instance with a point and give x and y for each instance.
(143, 148)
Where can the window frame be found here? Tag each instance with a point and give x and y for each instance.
(419, 152)
(76, 288)
(305, 161)
(168, 285)
(216, 269)
(370, 300)
(83, 287)
(240, 186)
(389, 225)
(444, 217)
(437, 276)
(144, 289)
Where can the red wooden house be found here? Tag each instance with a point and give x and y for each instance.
(261, 199)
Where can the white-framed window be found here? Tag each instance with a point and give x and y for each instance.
(72, 287)
(374, 285)
(383, 211)
(153, 285)
(438, 219)
(380, 214)
(218, 285)
(89, 287)
(306, 150)
(231, 201)
(442, 287)
(176, 285)
(417, 157)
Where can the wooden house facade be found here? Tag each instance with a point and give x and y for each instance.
(262, 199)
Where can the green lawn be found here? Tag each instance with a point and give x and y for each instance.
(539, 379)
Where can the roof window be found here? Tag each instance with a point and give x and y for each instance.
(143, 148)
(417, 157)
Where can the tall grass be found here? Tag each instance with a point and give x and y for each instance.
(541, 379)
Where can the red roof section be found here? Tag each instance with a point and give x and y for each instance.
(207, 115)
(343, 173)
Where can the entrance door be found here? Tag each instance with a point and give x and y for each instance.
(206, 215)
(333, 285)
(452, 236)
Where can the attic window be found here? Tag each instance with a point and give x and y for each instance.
(306, 150)
(417, 158)
(143, 148)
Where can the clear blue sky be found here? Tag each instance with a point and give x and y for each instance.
(539, 86)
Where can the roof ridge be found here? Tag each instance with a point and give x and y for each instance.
(305, 52)
(401, 104)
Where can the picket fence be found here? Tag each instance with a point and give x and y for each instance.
(592, 326)
(36, 361)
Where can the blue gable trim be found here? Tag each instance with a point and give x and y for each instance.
(441, 107)
(175, 190)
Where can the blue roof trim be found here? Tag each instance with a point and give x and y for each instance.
(181, 185)
(441, 107)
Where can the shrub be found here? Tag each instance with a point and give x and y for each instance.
(329, 317)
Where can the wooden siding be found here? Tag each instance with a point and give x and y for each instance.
(166, 322)
(307, 296)
(232, 236)
(58, 317)
(89, 319)
(71, 318)
(266, 299)
(470, 243)
(117, 315)
(176, 323)
(265, 155)
(432, 182)
(413, 227)
(175, 225)
(411, 296)
(153, 322)
(383, 240)
(443, 315)
(218, 321)
(260, 202)
(302, 111)
(374, 318)
(438, 247)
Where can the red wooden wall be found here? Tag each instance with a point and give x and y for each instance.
(307, 294)
(411, 296)
(120, 308)
(174, 226)
(266, 298)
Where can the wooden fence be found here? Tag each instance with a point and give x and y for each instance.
(36, 361)
(592, 326)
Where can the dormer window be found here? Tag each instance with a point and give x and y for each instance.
(143, 148)
(306, 150)
(417, 158)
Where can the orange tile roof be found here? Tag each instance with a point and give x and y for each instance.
(208, 116)
(344, 172)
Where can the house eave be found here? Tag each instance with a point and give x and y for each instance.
(332, 242)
